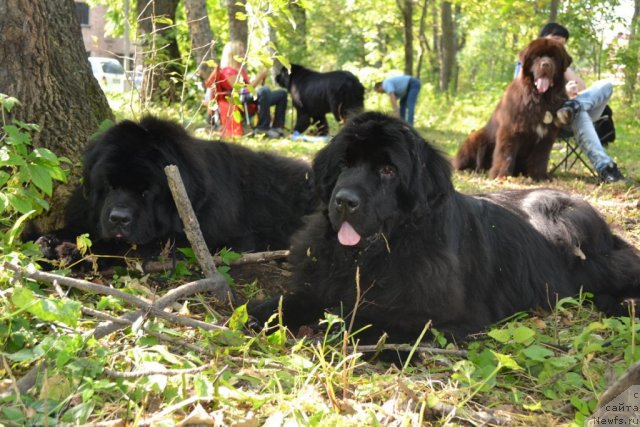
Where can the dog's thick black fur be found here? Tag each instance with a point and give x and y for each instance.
(315, 94)
(243, 200)
(425, 252)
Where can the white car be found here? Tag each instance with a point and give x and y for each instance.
(109, 73)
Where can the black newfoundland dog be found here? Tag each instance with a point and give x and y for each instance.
(243, 200)
(392, 222)
(316, 94)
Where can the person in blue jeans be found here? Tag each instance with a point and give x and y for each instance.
(586, 105)
(403, 92)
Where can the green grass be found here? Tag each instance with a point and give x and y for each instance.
(533, 369)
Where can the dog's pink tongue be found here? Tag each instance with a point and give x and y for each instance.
(347, 235)
(542, 84)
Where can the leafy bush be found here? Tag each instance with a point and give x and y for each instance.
(26, 173)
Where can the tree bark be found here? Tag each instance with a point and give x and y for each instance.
(406, 8)
(631, 65)
(434, 55)
(422, 38)
(43, 64)
(447, 46)
(553, 13)
(159, 49)
(238, 29)
(202, 42)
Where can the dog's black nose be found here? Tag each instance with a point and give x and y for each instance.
(347, 201)
(120, 216)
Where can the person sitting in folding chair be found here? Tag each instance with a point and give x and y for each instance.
(586, 106)
(234, 71)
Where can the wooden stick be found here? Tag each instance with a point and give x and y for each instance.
(167, 372)
(247, 258)
(629, 378)
(105, 290)
(190, 221)
(409, 347)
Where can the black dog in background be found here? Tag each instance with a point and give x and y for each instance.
(315, 94)
(420, 251)
(243, 200)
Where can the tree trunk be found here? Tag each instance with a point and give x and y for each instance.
(238, 29)
(298, 46)
(43, 64)
(434, 55)
(422, 38)
(159, 49)
(406, 8)
(553, 14)
(631, 68)
(447, 46)
(459, 41)
(202, 42)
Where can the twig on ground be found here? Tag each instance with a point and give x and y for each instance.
(475, 417)
(249, 258)
(409, 347)
(190, 221)
(201, 286)
(105, 290)
(176, 341)
(629, 378)
(183, 291)
(167, 372)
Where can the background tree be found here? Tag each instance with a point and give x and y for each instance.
(447, 46)
(423, 44)
(631, 55)
(159, 48)
(238, 28)
(406, 10)
(553, 12)
(43, 64)
(202, 41)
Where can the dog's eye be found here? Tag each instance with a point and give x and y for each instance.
(146, 193)
(387, 171)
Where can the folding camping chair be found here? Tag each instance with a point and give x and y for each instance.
(573, 154)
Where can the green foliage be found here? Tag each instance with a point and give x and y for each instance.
(26, 174)
(563, 357)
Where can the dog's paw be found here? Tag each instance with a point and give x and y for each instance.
(48, 244)
(68, 253)
(260, 313)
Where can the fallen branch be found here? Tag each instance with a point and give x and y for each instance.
(250, 258)
(190, 221)
(629, 378)
(408, 347)
(105, 290)
(474, 417)
(166, 372)
(205, 285)
(176, 341)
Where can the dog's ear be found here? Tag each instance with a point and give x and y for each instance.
(326, 166)
(526, 59)
(431, 175)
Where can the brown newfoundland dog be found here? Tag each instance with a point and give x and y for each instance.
(521, 131)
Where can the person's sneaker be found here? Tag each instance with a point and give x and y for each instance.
(269, 133)
(279, 131)
(610, 173)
